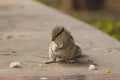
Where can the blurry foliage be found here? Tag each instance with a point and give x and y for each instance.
(44, 1)
(109, 26)
(54, 3)
(75, 14)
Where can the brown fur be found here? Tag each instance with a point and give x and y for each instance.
(66, 48)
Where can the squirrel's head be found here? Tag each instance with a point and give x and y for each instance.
(57, 31)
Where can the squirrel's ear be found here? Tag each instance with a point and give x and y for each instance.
(57, 31)
(60, 30)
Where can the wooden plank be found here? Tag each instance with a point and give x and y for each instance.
(25, 32)
(67, 77)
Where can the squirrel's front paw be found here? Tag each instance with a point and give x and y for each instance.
(54, 46)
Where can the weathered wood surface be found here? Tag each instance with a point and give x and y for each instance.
(65, 77)
(25, 28)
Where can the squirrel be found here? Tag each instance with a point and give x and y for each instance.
(62, 46)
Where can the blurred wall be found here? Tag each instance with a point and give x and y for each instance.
(88, 4)
(113, 5)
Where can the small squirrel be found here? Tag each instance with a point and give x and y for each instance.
(62, 46)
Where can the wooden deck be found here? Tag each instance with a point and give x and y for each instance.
(25, 28)
(65, 77)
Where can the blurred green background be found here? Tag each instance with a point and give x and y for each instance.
(102, 14)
